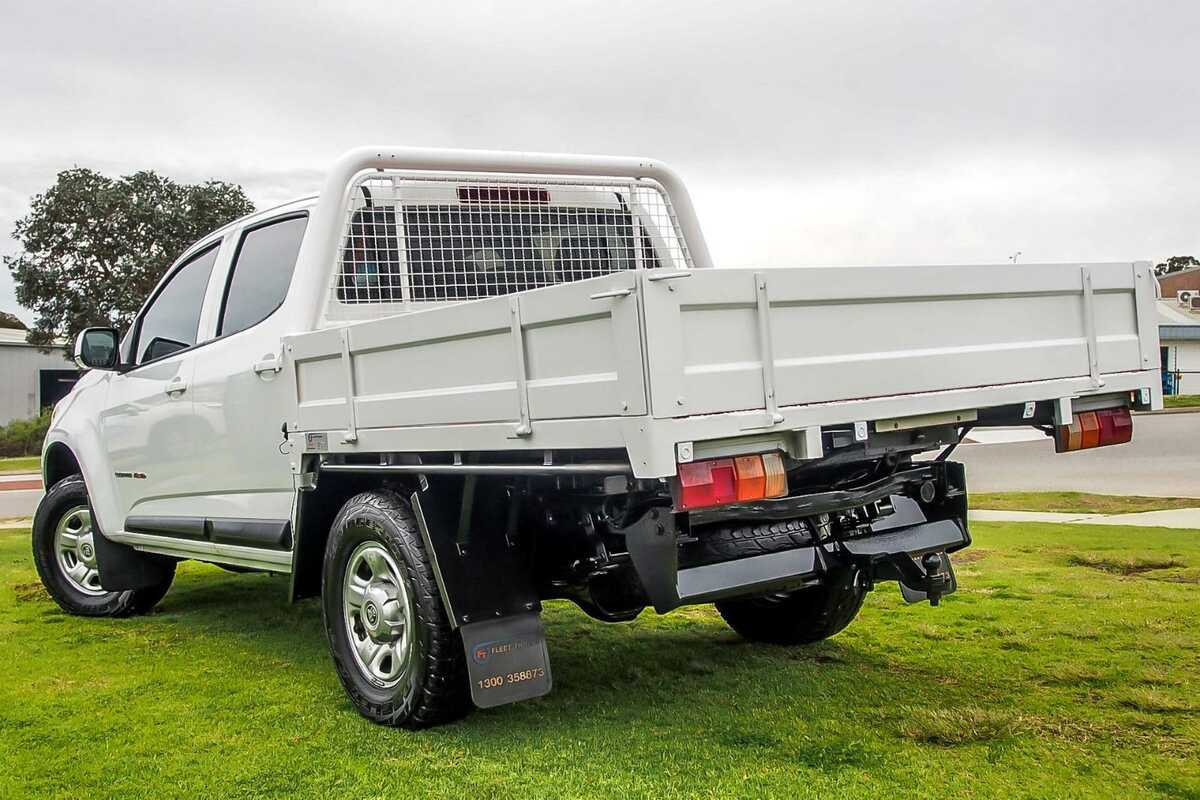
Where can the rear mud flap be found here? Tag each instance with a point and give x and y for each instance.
(507, 659)
(478, 564)
(484, 579)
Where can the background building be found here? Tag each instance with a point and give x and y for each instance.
(1179, 334)
(30, 379)
(1176, 282)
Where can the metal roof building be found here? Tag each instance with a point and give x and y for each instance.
(29, 378)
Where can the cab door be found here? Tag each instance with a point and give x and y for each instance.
(149, 431)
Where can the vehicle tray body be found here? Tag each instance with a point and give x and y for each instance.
(647, 359)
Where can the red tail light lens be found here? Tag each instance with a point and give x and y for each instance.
(1116, 426)
(1090, 429)
(707, 483)
(702, 484)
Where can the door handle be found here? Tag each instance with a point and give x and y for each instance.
(176, 386)
(272, 364)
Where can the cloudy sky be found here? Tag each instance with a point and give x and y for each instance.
(810, 132)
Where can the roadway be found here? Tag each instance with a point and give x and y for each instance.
(1162, 460)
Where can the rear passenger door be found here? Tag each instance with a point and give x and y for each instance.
(244, 478)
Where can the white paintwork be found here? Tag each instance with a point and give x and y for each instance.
(640, 360)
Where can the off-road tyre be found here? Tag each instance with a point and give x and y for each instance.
(439, 691)
(67, 496)
(802, 616)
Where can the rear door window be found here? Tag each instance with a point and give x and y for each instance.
(261, 273)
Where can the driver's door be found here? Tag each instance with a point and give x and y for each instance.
(148, 427)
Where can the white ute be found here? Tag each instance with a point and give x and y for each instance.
(459, 383)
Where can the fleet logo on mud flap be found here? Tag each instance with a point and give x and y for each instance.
(486, 650)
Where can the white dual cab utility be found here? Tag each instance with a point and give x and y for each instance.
(460, 383)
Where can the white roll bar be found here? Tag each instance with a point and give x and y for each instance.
(326, 227)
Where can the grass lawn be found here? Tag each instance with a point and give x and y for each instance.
(1066, 666)
(1077, 502)
(20, 464)
(1181, 401)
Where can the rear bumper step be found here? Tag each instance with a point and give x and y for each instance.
(894, 554)
(745, 576)
(926, 537)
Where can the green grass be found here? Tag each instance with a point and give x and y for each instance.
(1077, 502)
(20, 464)
(1066, 666)
(1181, 401)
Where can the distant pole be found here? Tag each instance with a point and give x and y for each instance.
(1013, 258)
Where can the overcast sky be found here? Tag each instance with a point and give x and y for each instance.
(810, 133)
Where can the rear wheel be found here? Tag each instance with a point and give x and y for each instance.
(802, 616)
(64, 552)
(396, 654)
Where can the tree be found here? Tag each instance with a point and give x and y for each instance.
(10, 322)
(93, 247)
(1175, 264)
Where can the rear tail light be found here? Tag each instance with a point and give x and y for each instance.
(1094, 429)
(702, 484)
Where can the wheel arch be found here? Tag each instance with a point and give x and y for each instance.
(58, 462)
(316, 509)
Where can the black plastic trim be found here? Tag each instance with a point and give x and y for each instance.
(265, 534)
(271, 534)
(177, 527)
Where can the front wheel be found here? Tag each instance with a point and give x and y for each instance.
(399, 660)
(800, 617)
(64, 552)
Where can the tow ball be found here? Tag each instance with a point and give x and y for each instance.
(930, 578)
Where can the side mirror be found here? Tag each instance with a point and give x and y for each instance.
(97, 348)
